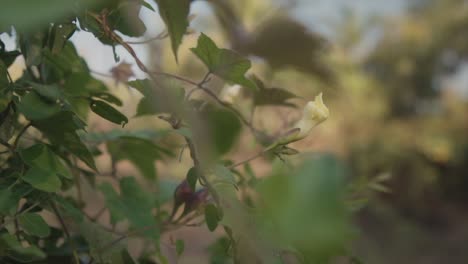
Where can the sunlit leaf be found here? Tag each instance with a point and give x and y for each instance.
(225, 63)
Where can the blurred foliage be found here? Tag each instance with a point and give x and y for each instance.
(52, 174)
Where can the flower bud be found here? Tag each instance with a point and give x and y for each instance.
(315, 112)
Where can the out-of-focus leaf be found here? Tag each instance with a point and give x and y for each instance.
(126, 18)
(61, 130)
(110, 98)
(98, 238)
(284, 42)
(65, 64)
(306, 208)
(8, 57)
(156, 100)
(42, 180)
(33, 107)
(99, 137)
(34, 224)
(224, 128)
(38, 13)
(132, 204)
(174, 14)
(8, 201)
(69, 209)
(32, 47)
(126, 257)
(141, 152)
(108, 112)
(180, 246)
(192, 178)
(11, 247)
(50, 92)
(10, 197)
(224, 175)
(42, 157)
(60, 34)
(272, 96)
(225, 63)
(212, 217)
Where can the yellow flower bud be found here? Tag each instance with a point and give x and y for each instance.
(315, 112)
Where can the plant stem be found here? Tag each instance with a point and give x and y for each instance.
(20, 134)
(65, 230)
(261, 153)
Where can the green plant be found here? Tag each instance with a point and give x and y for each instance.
(297, 211)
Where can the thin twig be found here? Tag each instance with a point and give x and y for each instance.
(160, 36)
(7, 145)
(65, 230)
(198, 168)
(20, 134)
(261, 153)
(18, 214)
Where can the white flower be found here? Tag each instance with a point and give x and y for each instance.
(315, 112)
(230, 94)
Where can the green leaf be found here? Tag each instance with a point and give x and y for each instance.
(127, 258)
(224, 175)
(14, 13)
(307, 207)
(133, 204)
(141, 152)
(180, 246)
(155, 100)
(192, 178)
(69, 209)
(4, 82)
(174, 14)
(225, 63)
(31, 47)
(61, 130)
(42, 157)
(212, 217)
(34, 224)
(42, 180)
(11, 247)
(97, 238)
(125, 18)
(108, 112)
(272, 96)
(8, 57)
(60, 34)
(10, 196)
(8, 201)
(33, 107)
(110, 98)
(224, 128)
(50, 92)
(145, 4)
